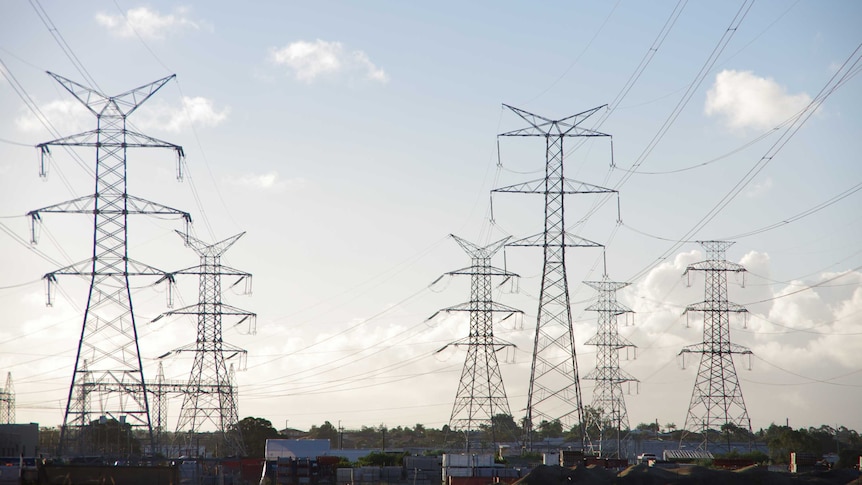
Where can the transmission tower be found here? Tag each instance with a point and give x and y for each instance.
(481, 395)
(209, 395)
(7, 402)
(716, 401)
(555, 388)
(109, 338)
(608, 399)
(160, 392)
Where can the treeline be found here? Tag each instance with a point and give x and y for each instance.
(780, 440)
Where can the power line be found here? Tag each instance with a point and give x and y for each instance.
(834, 82)
(64, 46)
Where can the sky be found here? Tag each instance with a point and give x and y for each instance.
(349, 140)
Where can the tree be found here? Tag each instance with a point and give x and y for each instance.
(550, 429)
(325, 431)
(783, 439)
(505, 427)
(255, 432)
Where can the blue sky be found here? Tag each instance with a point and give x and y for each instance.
(350, 139)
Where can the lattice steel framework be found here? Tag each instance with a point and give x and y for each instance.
(109, 338)
(7, 402)
(555, 389)
(209, 396)
(481, 394)
(716, 400)
(608, 397)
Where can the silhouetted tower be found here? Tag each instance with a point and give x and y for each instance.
(555, 388)
(716, 401)
(109, 337)
(7, 402)
(608, 399)
(481, 395)
(159, 390)
(209, 397)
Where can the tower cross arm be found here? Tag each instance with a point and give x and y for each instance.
(495, 342)
(138, 205)
(81, 205)
(619, 376)
(480, 270)
(96, 102)
(139, 140)
(198, 308)
(91, 138)
(85, 268)
(84, 139)
(226, 347)
(470, 306)
(708, 306)
(223, 271)
(569, 186)
(209, 250)
(569, 241)
(705, 348)
(480, 252)
(614, 308)
(541, 126)
(713, 265)
(616, 341)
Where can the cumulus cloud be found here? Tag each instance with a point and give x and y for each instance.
(312, 60)
(270, 181)
(148, 24)
(745, 100)
(67, 116)
(198, 111)
(804, 335)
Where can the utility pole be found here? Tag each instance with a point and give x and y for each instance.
(716, 401)
(608, 399)
(481, 395)
(109, 336)
(210, 394)
(555, 387)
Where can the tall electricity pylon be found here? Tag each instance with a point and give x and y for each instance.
(209, 396)
(608, 399)
(7, 402)
(481, 395)
(716, 400)
(555, 388)
(109, 336)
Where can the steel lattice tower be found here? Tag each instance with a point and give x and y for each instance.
(481, 394)
(109, 338)
(608, 397)
(160, 403)
(716, 400)
(555, 388)
(209, 396)
(7, 402)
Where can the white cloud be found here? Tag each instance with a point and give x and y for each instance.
(311, 60)
(760, 188)
(67, 116)
(149, 24)
(270, 181)
(799, 337)
(745, 100)
(198, 111)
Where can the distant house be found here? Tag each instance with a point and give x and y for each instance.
(292, 433)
